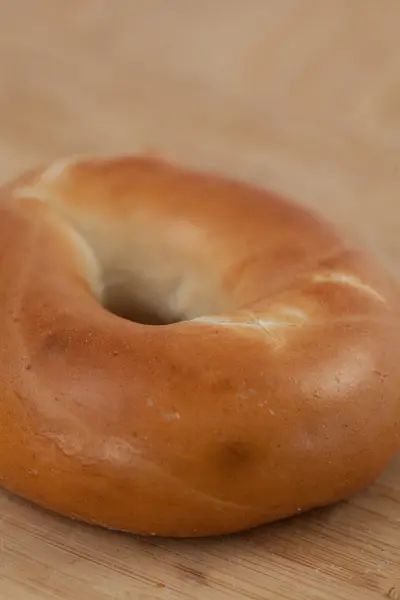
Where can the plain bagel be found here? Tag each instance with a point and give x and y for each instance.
(185, 355)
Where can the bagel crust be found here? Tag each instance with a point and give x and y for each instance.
(186, 355)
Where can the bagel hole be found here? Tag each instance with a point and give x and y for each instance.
(131, 309)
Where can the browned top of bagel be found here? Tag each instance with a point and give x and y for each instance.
(270, 387)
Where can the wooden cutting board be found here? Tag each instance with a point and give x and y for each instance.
(302, 96)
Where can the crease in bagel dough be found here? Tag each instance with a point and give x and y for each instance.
(265, 327)
(120, 452)
(341, 278)
(255, 324)
(224, 320)
(254, 321)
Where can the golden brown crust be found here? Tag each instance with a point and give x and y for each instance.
(277, 392)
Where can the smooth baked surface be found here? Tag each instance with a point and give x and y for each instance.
(272, 387)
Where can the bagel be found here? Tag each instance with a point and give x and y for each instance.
(186, 355)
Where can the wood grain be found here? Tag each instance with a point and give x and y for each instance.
(299, 95)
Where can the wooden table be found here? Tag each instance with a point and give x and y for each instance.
(302, 96)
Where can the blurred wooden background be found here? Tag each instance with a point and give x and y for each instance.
(302, 96)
